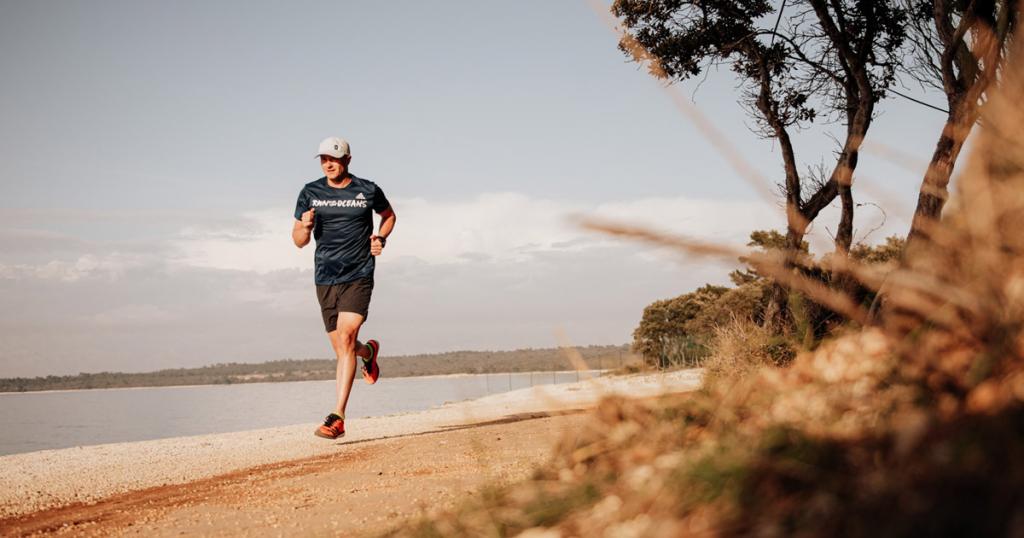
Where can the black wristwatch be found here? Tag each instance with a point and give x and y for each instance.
(383, 240)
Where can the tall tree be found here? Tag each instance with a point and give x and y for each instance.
(686, 38)
(959, 47)
(863, 40)
(839, 56)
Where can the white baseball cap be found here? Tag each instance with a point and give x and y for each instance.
(334, 146)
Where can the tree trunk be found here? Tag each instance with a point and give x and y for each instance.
(776, 314)
(844, 233)
(934, 188)
(842, 281)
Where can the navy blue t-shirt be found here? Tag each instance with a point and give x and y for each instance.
(342, 225)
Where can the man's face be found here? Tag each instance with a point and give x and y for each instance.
(334, 168)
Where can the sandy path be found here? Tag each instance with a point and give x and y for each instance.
(170, 485)
(361, 488)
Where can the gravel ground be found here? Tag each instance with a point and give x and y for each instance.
(50, 479)
(361, 489)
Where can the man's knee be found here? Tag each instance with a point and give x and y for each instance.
(348, 330)
(347, 335)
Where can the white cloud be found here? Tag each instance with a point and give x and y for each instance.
(109, 266)
(263, 243)
(499, 226)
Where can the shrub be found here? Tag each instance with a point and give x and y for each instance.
(741, 347)
(662, 332)
(746, 302)
(887, 252)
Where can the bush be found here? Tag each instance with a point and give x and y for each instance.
(746, 302)
(887, 252)
(662, 334)
(676, 332)
(742, 347)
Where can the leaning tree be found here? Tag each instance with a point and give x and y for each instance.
(958, 48)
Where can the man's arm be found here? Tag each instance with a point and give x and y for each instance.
(303, 229)
(387, 223)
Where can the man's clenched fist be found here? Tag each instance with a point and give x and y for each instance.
(307, 219)
(376, 245)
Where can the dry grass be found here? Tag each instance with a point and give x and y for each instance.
(741, 347)
(914, 427)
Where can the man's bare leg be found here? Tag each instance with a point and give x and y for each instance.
(362, 351)
(346, 348)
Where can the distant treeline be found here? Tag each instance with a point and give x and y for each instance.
(454, 362)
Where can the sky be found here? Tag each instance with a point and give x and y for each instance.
(152, 153)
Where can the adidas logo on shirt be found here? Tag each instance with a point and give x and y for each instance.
(360, 196)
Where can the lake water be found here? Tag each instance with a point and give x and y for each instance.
(45, 420)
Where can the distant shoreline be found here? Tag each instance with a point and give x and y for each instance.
(142, 387)
(292, 370)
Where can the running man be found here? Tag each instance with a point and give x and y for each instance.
(335, 210)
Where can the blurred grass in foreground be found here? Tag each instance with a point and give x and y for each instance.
(913, 426)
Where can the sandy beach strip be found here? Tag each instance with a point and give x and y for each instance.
(52, 478)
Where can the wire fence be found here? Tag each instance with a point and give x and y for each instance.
(508, 381)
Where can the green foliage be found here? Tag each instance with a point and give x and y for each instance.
(765, 241)
(684, 37)
(890, 251)
(662, 334)
(740, 277)
(678, 331)
(746, 303)
(772, 240)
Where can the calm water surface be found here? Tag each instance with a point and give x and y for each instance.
(45, 420)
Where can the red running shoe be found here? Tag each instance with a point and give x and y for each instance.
(371, 371)
(332, 428)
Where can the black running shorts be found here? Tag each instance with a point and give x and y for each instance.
(348, 297)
